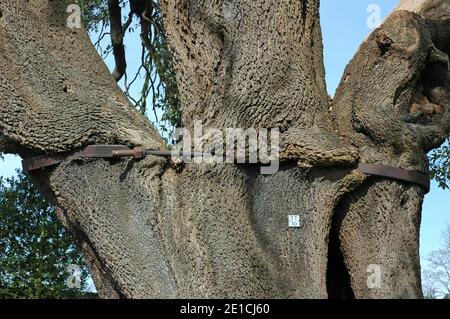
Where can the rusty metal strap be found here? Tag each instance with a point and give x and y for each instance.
(396, 173)
(118, 151)
(92, 151)
(96, 151)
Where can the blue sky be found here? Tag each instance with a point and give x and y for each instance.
(344, 26)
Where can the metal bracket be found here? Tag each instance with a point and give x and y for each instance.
(92, 151)
(118, 151)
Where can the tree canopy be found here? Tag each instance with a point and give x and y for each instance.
(36, 252)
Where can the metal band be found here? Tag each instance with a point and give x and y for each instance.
(117, 151)
(98, 151)
(396, 173)
(92, 151)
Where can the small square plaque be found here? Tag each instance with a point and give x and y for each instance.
(294, 221)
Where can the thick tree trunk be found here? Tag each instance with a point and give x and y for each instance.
(149, 229)
(393, 105)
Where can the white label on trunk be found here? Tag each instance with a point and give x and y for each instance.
(294, 221)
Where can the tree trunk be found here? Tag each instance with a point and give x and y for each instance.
(150, 229)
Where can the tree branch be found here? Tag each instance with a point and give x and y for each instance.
(393, 104)
(117, 35)
(254, 64)
(58, 94)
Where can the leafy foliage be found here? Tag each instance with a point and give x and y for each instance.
(35, 249)
(156, 74)
(166, 96)
(94, 12)
(440, 165)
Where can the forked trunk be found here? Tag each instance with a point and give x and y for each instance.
(152, 229)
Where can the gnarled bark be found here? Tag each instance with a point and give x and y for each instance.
(149, 229)
(393, 105)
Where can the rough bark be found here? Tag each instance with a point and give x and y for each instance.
(256, 64)
(149, 229)
(392, 104)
